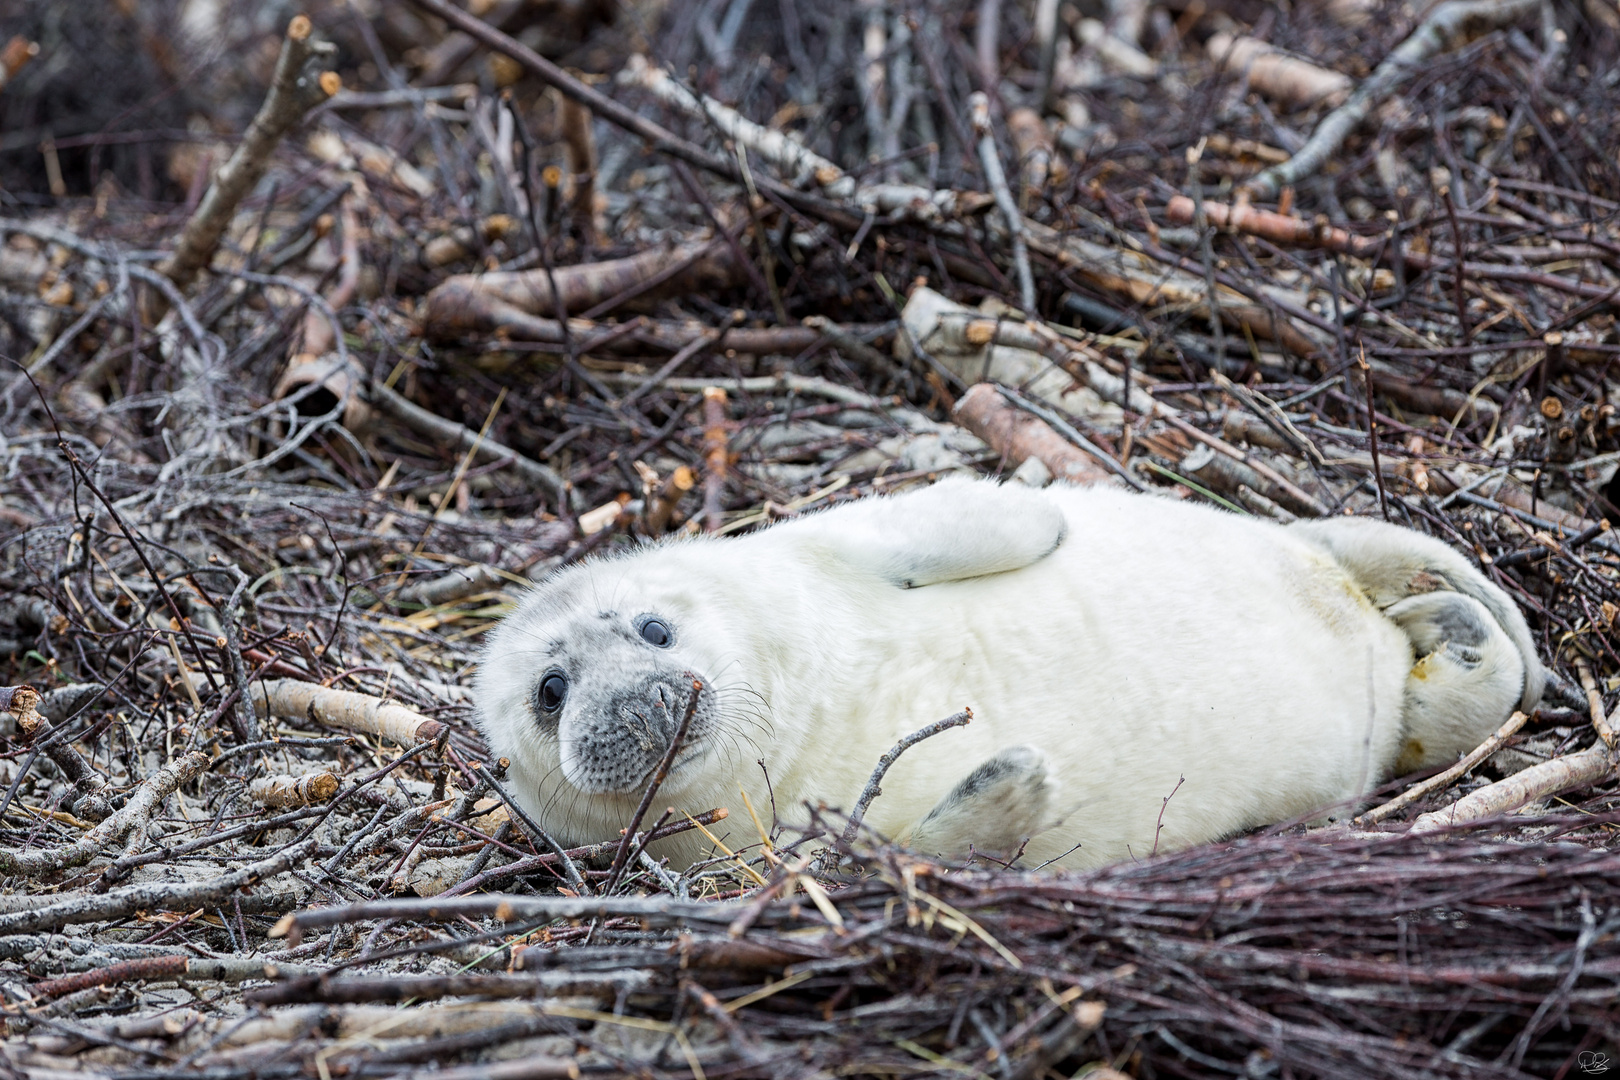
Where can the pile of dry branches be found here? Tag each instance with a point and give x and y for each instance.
(334, 342)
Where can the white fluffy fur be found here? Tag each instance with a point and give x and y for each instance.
(1109, 645)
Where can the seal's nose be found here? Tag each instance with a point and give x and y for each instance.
(616, 747)
(646, 717)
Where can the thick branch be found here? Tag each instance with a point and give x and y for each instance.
(299, 85)
(294, 700)
(1541, 781)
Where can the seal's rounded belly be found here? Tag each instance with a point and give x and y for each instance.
(1114, 649)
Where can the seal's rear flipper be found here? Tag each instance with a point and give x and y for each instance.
(954, 530)
(1391, 564)
(1474, 658)
(995, 808)
(1467, 677)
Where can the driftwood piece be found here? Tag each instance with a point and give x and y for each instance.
(288, 699)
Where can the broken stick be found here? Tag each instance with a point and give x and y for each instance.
(289, 699)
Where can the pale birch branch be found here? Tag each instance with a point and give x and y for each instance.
(289, 699)
(1447, 26)
(1440, 780)
(1522, 788)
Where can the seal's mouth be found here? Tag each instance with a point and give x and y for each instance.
(677, 770)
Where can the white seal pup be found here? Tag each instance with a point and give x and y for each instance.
(1114, 649)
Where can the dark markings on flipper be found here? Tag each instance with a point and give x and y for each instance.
(1394, 565)
(1437, 619)
(1459, 625)
(997, 806)
(975, 784)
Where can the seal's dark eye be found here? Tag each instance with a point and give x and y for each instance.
(553, 688)
(656, 632)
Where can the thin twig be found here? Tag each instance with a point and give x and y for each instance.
(659, 775)
(996, 178)
(874, 786)
(532, 827)
(1372, 435)
(1442, 779)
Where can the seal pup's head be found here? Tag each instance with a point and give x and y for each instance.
(584, 686)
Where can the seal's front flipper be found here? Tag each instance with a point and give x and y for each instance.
(954, 530)
(995, 808)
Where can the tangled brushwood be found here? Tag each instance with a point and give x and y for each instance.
(349, 327)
